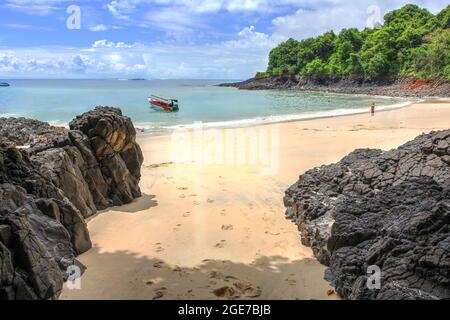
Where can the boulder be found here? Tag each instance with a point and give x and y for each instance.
(389, 210)
(48, 188)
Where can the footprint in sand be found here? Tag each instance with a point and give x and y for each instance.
(157, 165)
(186, 214)
(158, 264)
(223, 212)
(238, 289)
(228, 278)
(158, 248)
(216, 275)
(182, 188)
(182, 196)
(272, 233)
(291, 282)
(196, 203)
(226, 293)
(227, 227)
(220, 244)
(247, 289)
(210, 200)
(159, 293)
(181, 271)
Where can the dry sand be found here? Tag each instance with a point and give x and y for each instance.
(208, 231)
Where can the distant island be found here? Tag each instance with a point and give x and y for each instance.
(409, 55)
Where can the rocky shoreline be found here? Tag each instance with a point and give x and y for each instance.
(51, 179)
(377, 210)
(405, 87)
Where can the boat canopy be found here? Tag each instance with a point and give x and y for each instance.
(164, 98)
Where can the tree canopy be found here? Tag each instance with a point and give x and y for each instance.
(411, 42)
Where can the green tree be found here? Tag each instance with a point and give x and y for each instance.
(412, 42)
(432, 60)
(283, 57)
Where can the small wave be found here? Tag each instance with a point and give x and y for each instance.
(8, 115)
(59, 123)
(275, 118)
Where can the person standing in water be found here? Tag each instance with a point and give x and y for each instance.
(372, 109)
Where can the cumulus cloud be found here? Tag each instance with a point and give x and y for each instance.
(103, 44)
(233, 59)
(249, 38)
(98, 28)
(294, 18)
(233, 56)
(109, 44)
(324, 15)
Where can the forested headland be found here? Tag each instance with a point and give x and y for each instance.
(412, 45)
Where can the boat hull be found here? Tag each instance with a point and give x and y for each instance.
(159, 105)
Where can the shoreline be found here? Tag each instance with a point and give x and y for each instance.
(202, 231)
(253, 122)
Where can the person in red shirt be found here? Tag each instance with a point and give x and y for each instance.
(372, 109)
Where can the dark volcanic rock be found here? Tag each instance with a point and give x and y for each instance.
(113, 140)
(386, 209)
(48, 189)
(21, 131)
(403, 87)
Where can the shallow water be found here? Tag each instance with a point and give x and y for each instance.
(58, 101)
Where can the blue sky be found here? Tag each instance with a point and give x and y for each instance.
(216, 39)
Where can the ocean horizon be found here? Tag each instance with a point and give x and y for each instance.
(201, 101)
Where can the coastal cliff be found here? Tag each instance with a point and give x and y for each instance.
(385, 209)
(51, 179)
(402, 87)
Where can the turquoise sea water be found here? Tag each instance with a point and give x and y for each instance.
(59, 101)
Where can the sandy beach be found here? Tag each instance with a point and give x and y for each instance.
(217, 230)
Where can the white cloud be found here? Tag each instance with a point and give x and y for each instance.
(109, 44)
(123, 8)
(238, 58)
(103, 44)
(120, 9)
(173, 20)
(308, 17)
(249, 38)
(98, 28)
(34, 7)
(324, 15)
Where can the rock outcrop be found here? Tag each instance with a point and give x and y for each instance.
(402, 87)
(388, 210)
(50, 187)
